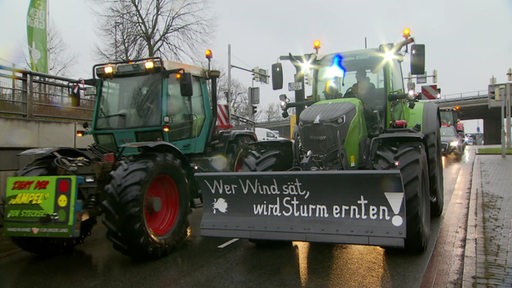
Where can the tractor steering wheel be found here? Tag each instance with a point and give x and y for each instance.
(349, 93)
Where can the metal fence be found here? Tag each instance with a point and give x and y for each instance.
(32, 95)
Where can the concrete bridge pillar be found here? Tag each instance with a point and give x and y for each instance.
(492, 128)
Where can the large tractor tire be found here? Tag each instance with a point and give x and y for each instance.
(435, 173)
(414, 170)
(237, 151)
(147, 205)
(431, 125)
(258, 162)
(50, 246)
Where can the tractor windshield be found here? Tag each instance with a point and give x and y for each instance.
(130, 102)
(350, 75)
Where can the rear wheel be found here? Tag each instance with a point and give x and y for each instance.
(414, 170)
(237, 152)
(256, 161)
(49, 246)
(435, 173)
(147, 207)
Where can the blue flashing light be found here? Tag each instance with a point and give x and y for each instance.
(337, 69)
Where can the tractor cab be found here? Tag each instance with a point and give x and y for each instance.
(150, 100)
(358, 74)
(374, 76)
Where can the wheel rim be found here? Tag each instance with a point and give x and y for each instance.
(161, 205)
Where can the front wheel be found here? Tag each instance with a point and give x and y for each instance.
(147, 206)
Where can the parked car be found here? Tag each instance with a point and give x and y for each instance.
(451, 142)
(469, 140)
(264, 134)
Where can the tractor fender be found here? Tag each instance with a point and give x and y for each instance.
(395, 138)
(401, 135)
(166, 147)
(431, 118)
(30, 155)
(230, 135)
(41, 152)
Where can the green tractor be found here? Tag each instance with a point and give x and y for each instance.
(154, 126)
(364, 166)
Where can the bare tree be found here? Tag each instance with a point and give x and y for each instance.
(238, 99)
(171, 29)
(273, 112)
(58, 59)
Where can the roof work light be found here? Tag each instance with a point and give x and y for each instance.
(406, 33)
(208, 54)
(316, 45)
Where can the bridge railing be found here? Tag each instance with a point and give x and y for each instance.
(466, 95)
(32, 95)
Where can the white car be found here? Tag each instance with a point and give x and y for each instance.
(264, 134)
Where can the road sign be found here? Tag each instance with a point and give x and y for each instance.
(223, 116)
(421, 79)
(429, 91)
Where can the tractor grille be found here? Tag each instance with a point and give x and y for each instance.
(323, 127)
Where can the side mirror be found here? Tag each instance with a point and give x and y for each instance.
(186, 85)
(277, 76)
(91, 82)
(418, 59)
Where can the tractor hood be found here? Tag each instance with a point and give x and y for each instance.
(328, 112)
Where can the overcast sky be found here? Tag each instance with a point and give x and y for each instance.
(467, 41)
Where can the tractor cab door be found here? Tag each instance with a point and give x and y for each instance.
(187, 114)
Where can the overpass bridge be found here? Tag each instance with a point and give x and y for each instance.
(477, 105)
(36, 111)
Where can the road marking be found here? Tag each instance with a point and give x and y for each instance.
(228, 243)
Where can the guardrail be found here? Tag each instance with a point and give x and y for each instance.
(464, 95)
(32, 95)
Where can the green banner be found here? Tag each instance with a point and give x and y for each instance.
(37, 35)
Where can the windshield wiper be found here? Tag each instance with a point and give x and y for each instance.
(123, 115)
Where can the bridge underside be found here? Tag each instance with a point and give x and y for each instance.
(478, 108)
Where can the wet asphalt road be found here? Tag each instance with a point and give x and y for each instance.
(206, 262)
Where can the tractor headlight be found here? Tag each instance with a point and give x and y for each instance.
(454, 143)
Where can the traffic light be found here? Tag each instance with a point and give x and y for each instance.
(496, 91)
(254, 109)
(255, 74)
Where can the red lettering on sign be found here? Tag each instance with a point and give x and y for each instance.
(21, 185)
(41, 184)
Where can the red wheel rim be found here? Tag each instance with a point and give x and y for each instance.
(161, 205)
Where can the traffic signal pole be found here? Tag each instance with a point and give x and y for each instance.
(262, 76)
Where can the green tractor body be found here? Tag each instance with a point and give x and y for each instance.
(365, 161)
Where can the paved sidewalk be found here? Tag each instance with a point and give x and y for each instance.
(488, 253)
